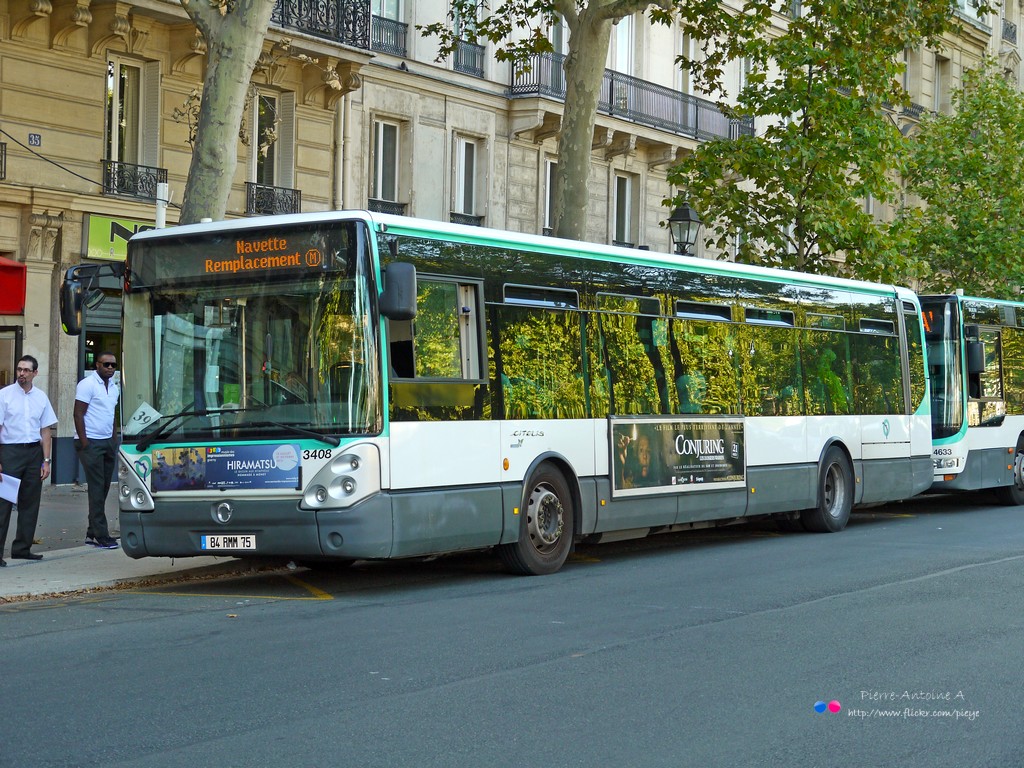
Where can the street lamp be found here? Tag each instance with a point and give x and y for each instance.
(684, 224)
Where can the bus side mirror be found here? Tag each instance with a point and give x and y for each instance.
(398, 299)
(975, 357)
(71, 300)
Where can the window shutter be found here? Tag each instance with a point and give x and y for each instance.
(151, 114)
(286, 140)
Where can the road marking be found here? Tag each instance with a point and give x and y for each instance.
(318, 594)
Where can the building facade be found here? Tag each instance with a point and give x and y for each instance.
(95, 105)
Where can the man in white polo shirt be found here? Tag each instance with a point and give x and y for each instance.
(26, 418)
(95, 400)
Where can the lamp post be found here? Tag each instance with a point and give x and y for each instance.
(684, 224)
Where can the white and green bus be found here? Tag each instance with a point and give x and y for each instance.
(347, 385)
(976, 369)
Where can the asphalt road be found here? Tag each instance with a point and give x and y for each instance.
(701, 649)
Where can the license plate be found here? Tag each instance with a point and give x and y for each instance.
(231, 541)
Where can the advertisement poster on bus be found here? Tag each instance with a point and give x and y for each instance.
(668, 455)
(214, 468)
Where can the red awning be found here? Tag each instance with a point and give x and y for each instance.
(12, 287)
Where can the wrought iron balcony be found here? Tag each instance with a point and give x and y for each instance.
(3, 161)
(1009, 31)
(469, 58)
(914, 111)
(263, 199)
(132, 180)
(466, 218)
(340, 21)
(634, 99)
(386, 206)
(388, 36)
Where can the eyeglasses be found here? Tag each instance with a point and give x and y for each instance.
(109, 365)
(26, 370)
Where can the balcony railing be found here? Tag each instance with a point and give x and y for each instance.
(132, 180)
(3, 161)
(469, 58)
(388, 36)
(265, 200)
(340, 21)
(634, 99)
(1009, 31)
(386, 206)
(466, 218)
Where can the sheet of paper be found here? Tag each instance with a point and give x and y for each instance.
(9, 488)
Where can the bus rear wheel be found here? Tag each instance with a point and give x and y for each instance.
(545, 525)
(1013, 495)
(835, 494)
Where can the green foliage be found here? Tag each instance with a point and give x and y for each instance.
(966, 168)
(518, 28)
(793, 196)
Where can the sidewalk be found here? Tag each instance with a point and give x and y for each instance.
(68, 565)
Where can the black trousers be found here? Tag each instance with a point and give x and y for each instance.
(25, 463)
(98, 458)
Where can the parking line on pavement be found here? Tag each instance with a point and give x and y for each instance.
(318, 594)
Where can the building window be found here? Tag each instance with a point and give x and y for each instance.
(264, 139)
(132, 128)
(625, 211)
(271, 124)
(620, 52)
(550, 166)
(385, 160)
(745, 67)
(388, 9)
(683, 77)
(559, 36)
(124, 111)
(942, 76)
(133, 118)
(465, 175)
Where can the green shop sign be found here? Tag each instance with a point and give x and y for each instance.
(107, 238)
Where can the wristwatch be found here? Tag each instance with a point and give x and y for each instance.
(46, 461)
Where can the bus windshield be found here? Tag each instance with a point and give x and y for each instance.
(942, 333)
(242, 354)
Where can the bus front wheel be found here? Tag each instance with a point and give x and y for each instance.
(835, 494)
(545, 525)
(1013, 495)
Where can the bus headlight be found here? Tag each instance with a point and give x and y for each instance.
(133, 494)
(350, 477)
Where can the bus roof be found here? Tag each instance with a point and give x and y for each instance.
(439, 230)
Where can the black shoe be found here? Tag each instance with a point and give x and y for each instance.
(3, 563)
(27, 556)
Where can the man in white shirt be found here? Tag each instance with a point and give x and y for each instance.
(26, 419)
(95, 400)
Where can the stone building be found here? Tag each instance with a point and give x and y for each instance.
(94, 97)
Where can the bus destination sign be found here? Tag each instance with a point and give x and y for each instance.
(261, 254)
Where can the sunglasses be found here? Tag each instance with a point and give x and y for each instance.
(109, 365)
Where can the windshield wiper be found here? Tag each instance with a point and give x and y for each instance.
(164, 429)
(168, 421)
(334, 442)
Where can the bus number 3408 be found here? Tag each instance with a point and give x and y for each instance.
(318, 453)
